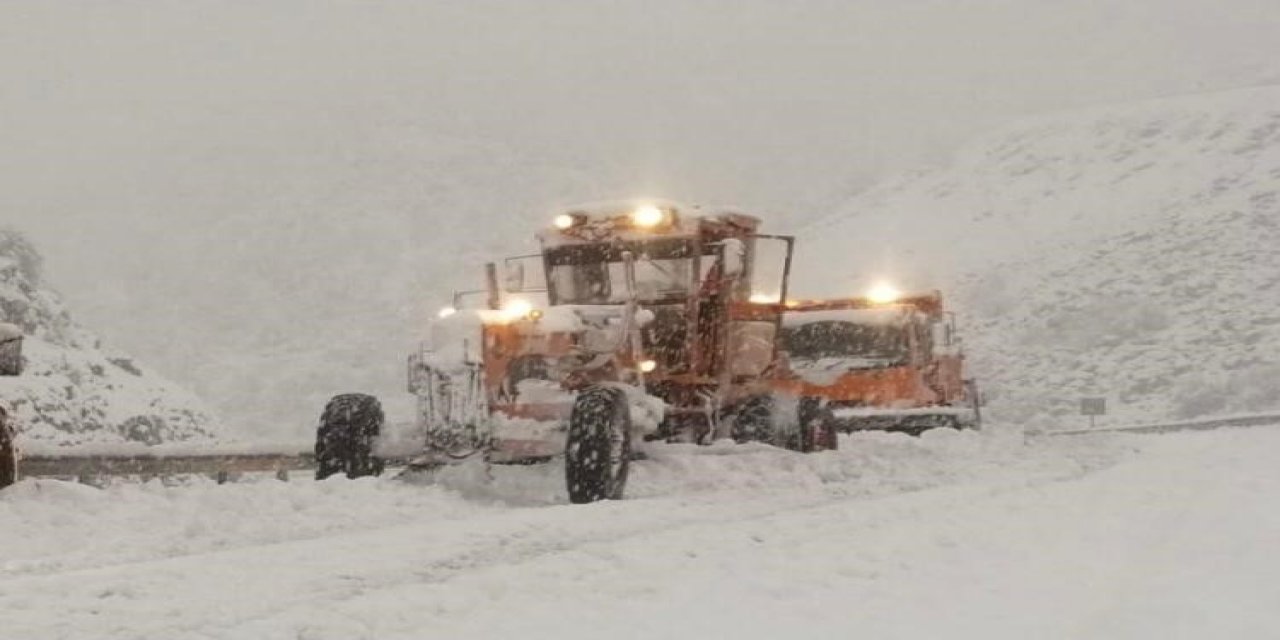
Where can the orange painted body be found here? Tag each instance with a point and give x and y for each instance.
(713, 342)
(931, 376)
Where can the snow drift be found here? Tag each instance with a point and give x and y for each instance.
(1130, 252)
(75, 390)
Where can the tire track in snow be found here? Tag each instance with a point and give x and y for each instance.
(212, 594)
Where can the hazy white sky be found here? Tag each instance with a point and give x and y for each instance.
(191, 167)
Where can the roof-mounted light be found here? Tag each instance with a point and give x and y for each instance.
(648, 216)
(565, 221)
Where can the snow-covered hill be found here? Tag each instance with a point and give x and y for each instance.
(75, 390)
(1129, 252)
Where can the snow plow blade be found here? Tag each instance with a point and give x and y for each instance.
(910, 421)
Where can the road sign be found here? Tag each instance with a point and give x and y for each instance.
(1093, 407)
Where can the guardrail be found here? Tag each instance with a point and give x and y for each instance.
(1256, 420)
(217, 465)
(224, 466)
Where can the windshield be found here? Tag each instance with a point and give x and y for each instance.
(594, 274)
(853, 345)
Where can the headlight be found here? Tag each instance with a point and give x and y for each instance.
(446, 312)
(883, 293)
(648, 216)
(517, 308)
(564, 221)
(647, 366)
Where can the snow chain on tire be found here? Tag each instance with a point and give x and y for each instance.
(344, 440)
(753, 420)
(598, 449)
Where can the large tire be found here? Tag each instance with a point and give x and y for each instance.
(753, 420)
(598, 449)
(757, 420)
(817, 426)
(344, 441)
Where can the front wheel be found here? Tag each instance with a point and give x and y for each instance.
(344, 440)
(753, 420)
(598, 448)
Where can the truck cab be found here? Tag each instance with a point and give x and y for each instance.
(891, 363)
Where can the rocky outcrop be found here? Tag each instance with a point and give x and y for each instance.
(74, 390)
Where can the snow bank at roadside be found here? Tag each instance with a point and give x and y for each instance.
(866, 464)
(48, 524)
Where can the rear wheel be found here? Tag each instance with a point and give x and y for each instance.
(804, 426)
(598, 448)
(817, 426)
(344, 440)
(753, 421)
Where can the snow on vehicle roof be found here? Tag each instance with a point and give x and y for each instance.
(610, 208)
(882, 316)
(602, 220)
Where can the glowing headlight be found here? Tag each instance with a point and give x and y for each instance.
(564, 221)
(446, 312)
(647, 366)
(516, 309)
(883, 293)
(648, 216)
(763, 298)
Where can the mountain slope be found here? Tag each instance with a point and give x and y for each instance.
(74, 390)
(1130, 252)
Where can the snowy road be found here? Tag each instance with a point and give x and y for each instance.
(952, 535)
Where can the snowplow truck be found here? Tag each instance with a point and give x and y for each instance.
(10, 365)
(637, 321)
(892, 363)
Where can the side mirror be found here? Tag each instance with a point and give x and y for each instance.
(10, 350)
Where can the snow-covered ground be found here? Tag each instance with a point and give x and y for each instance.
(951, 535)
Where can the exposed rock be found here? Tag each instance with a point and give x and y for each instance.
(73, 389)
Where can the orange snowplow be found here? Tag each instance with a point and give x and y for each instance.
(885, 364)
(637, 321)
